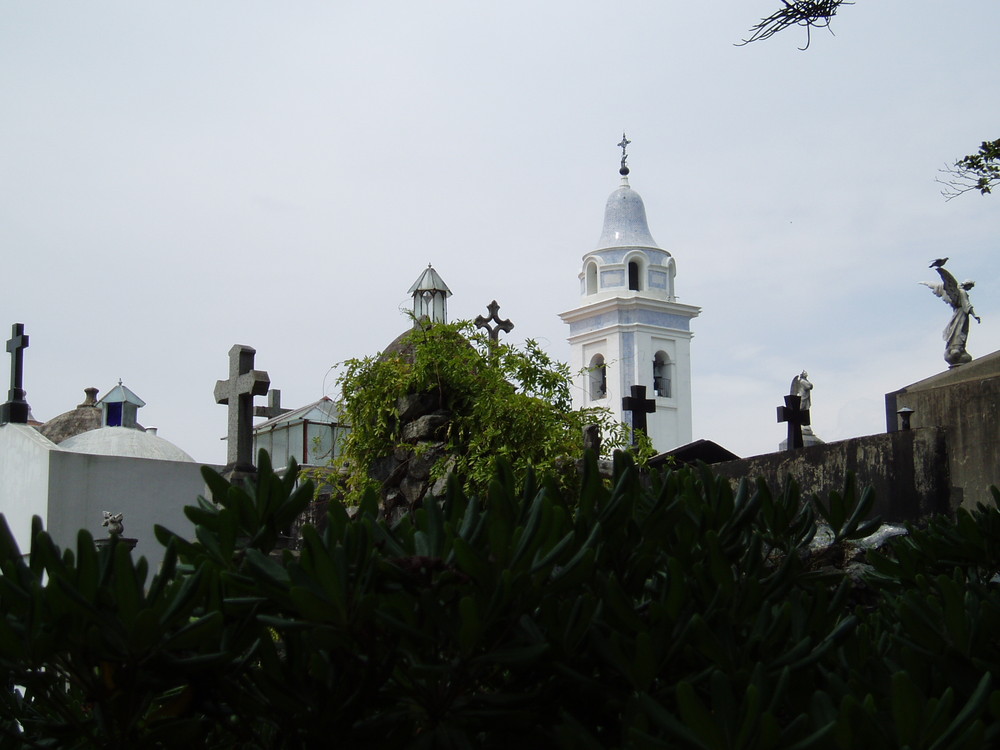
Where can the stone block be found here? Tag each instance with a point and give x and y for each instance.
(386, 470)
(411, 406)
(413, 489)
(423, 461)
(426, 427)
(440, 485)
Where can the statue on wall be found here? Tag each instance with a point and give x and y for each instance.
(802, 388)
(956, 333)
(800, 431)
(114, 522)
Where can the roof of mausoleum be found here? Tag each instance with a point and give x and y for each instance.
(85, 417)
(125, 441)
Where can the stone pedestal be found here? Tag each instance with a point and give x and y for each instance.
(128, 541)
(807, 440)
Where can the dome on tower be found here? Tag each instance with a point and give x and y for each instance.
(625, 220)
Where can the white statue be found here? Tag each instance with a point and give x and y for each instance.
(802, 388)
(114, 523)
(956, 333)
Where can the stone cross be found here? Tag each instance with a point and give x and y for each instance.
(16, 408)
(501, 325)
(797, 417)
(640, 406)
(273, 408)
(237, 392)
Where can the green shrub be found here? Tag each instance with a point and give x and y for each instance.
(673, 612)
(506, 402)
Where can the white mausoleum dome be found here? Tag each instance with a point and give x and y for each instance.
(125, 441)
(625, 220)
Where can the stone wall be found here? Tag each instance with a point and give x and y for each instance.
(908, 470)
(405, 474)
(965, 401)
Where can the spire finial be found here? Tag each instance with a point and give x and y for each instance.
(623, 145)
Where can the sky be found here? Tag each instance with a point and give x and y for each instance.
(177, 177)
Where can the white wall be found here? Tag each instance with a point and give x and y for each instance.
(24, 478)
(146, 491)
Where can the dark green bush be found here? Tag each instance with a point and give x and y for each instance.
(669, 613)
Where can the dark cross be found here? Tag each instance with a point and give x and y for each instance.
(273, 408)
(244, 383)
(16, 408)
(501, 325)
(623, 145)
(640, 406)
(797, 418)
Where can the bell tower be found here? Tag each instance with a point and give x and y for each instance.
(629, 329)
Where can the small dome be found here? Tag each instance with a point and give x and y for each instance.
(125, 441)
(625, 220)
(85, 417)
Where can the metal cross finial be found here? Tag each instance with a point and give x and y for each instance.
(16, 408)
(501, 325)
(623, 145)
(237, 392)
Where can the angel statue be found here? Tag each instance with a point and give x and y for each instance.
(956, 333)
(114, 523)
(802, 388)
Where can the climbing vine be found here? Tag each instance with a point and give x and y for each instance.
(502, 401)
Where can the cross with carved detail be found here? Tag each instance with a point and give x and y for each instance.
(501, 325)
(16, 408)
(623, 145)
(797, 418)
(640, 406)
(237, 392)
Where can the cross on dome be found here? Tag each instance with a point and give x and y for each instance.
(623, 145)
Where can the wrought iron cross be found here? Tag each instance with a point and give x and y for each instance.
(623, 145)
(501, 325)
(16, 408)
(237, 392)
(797, 417)
(640, 406)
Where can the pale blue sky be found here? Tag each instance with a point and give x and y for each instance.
(176, 177)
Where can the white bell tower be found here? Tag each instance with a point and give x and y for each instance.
(629, 328)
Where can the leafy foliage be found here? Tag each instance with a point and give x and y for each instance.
(503, 402)
(976, 172)
(669, 613)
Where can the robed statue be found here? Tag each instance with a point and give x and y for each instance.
(956, 333)
(802, 388)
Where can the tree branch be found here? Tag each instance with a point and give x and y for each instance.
(812, 14)
(979, 172)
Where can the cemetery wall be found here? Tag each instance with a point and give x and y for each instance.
(24, 478)
(146, 491)
(970, 412)
(908, 470)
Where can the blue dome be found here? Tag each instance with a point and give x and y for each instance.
(625, 220)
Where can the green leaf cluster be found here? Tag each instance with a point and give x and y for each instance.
(503, 402)
(982, 167)
(667, 611)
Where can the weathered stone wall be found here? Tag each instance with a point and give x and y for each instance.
(966, 402)
(908, 470)
(405, 474)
